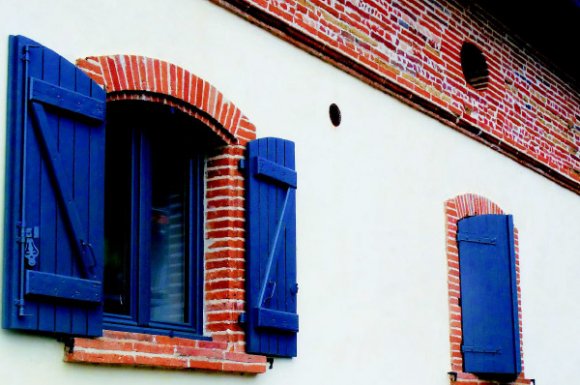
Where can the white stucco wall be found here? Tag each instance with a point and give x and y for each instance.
(371, 226)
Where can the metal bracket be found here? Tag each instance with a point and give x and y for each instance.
(31, 251)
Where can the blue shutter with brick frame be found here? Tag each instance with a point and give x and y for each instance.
(54, 245)
(271, 288)
(489, 302)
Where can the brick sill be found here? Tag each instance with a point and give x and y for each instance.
(136, 349)
(470, 379)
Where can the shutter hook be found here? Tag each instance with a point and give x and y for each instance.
(92, 251)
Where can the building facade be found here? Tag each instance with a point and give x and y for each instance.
(296, 191)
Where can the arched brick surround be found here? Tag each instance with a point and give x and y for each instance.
(457, 208)
(127, 77)
(130, 77)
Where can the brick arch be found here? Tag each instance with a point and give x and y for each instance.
(130, 77)
(457, 208)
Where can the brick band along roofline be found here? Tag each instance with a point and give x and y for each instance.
(388, 78)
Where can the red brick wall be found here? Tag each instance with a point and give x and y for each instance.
(456, 209)
(411, 49)
(139, 78)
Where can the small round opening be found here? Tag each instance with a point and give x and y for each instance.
(474, 66)
(334, 113)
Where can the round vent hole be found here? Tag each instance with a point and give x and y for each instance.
(474, 66)
(334, 113)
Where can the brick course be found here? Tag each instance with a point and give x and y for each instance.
(411, 48)
(126, 77)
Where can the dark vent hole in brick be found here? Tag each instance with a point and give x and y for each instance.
(335, 115)
(474, 66)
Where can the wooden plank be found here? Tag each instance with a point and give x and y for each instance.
(66, 99)
(62, 287)
(466, 237)
(36, 195)
(275, 171)
(63, 130)
(291, 288)
(276, 319)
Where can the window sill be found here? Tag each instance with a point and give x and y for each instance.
(135, 349)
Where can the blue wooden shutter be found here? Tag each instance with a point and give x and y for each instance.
(55, 187)
(271, 321)
(489, 295)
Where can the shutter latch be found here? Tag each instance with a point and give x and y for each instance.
(27, 237)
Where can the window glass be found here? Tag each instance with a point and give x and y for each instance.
(168, 226)
(154, 219)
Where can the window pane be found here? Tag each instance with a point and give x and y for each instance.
(168, 233)
(118, 221)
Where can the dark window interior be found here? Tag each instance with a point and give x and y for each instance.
(154, 218)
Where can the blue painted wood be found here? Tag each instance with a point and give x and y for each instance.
(62, 287)
(488, 295)
(49, 316)
(62, 183)
(275, 319)
(276, 172)
(272, 320)
(66, 99)
(56, 180)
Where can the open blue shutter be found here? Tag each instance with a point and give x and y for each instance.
(271, 320)
(489, 295)
(54, 248)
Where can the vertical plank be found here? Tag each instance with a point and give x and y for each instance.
(280, 259)
(79, 141)
(31, 182)
(46, 311)
(64, 131)
(290, 249)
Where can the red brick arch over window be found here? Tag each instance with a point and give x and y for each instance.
(127, 77)
(130, 77)
(457, 208)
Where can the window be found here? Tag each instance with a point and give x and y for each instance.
(153, 219)
(105, 227)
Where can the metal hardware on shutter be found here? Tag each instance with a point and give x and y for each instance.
(294, 289)
(270, 289)
(242, 319)
(480, 349)
(476, 239)
(31, 252)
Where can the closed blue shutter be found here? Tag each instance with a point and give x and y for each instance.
(271, 321)
(55, 187)
(489, 295)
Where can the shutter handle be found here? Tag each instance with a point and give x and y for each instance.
(294, 289)
(92, 251)
(270, 289)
